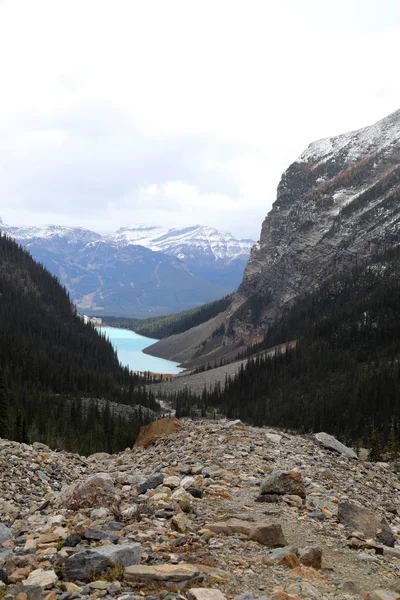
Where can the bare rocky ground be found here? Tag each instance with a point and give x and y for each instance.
(196, 382)
(214, 510)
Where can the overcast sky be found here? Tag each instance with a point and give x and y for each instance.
(172, 112)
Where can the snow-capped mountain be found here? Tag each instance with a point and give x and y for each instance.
(139, 270)
(185, 243)
(51, 234)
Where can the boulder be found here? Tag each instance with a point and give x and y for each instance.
(84, 565)
(148, 434)
(359, 518)
(96, 490)
(123, 554)
(331, 443)
(283, 482)
(266, 534)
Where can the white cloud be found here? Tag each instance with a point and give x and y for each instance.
(208, 101)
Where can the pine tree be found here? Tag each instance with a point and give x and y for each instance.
(375, 447)
(394, 446)
(4, 412)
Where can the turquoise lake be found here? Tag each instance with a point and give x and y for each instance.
(129, 346)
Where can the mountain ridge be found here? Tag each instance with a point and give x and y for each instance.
(135, 273)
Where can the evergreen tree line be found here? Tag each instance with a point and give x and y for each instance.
(343, 376)
(48, 356)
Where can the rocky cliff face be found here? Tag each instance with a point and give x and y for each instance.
(337, 204)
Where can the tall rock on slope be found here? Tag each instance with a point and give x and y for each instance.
(337, 204)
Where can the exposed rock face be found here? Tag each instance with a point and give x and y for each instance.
(335, 205)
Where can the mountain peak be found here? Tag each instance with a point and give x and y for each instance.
(383, 135)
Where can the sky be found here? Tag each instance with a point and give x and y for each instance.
(179, 112)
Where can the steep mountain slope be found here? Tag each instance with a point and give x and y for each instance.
(49, 356)
(138, 271)
(337, 205)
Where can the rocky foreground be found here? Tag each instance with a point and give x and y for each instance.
(207, 511)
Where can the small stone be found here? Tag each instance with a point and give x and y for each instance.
(180, 522)
(349, 587)
(5, 533)
(73, 540)
(234, 423)
(183, 499)
(270, 535)
(98, 535)
(172, 482)
(45, 579)
(72, 589)
(382, 595)
(195, 492)
(165, 573)
(187, 482)
(293, 500)
(311, 557)
(99, 585)
(150, 483)
(205, 594)
(274, 437)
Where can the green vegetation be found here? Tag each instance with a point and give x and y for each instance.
(343, 377)
(49, 359)
(162, 327)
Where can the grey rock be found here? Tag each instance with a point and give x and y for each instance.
(279, 553)
(73, 540)
(232, 423)
(330, 442)
(98, 535)
(123, 554)
(150, 483)
(33, 592)
(84, 565)
(5, 533)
